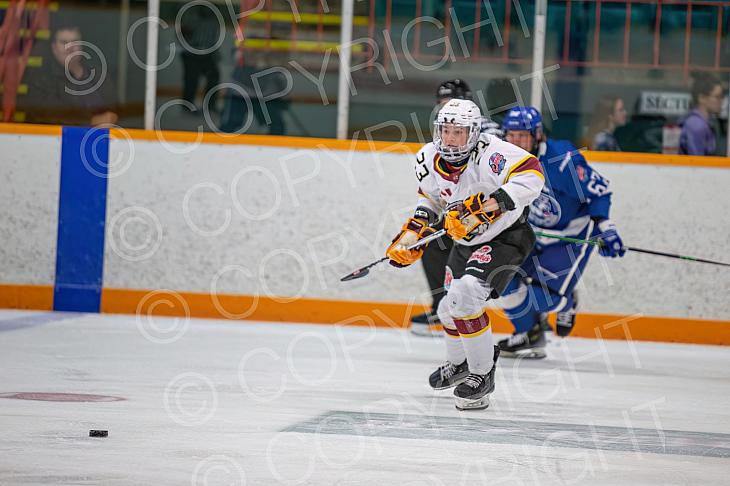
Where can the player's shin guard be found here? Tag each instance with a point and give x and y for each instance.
(454, 348)
(455, 370)
(476, 338)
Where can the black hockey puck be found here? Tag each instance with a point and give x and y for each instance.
(98, 433)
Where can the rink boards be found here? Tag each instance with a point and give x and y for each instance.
(253, 227)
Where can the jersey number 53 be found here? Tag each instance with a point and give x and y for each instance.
(421, 167)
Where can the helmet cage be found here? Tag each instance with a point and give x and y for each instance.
(452, 154)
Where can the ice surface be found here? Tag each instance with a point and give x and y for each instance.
(220, 402)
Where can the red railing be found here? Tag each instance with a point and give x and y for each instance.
(474, 54)
(686, 64)
(14, 54)
(382, 15)
(565, 58)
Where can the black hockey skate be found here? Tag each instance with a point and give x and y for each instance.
(473, 393)
(427, 324)
(448, 375)
(566, 319)
(530, 344)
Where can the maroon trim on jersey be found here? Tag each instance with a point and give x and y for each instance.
(530, 163)
(467, 327)
(451, 332)
(446, 170)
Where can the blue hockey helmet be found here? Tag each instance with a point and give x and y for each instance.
(523, 118)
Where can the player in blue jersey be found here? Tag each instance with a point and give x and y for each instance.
(575, 202)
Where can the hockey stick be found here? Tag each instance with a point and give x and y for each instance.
(361, 272)
(631, 248)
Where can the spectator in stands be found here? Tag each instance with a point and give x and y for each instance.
(608, 114)
(501, 98)
(235, 113)
(698, 136)
(200, 32)
(68, 89)
(643, 132)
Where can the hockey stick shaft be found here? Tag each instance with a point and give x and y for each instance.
(632, 248)
(361, 272)
(568, 239)
(427, 239)
(681, 257)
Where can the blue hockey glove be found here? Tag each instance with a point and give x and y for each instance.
(611, 244)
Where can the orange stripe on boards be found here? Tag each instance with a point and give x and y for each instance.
(28, 129)
(397, 315)
(34, 297)
(635, 158)
(655, 159)
(266, 140)
(379, 314)
(649, 328)
(223, 306)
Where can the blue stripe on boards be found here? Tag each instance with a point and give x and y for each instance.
(81, 219)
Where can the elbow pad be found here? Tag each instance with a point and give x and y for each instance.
(505, 202)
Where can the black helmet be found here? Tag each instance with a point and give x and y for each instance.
(455, 88)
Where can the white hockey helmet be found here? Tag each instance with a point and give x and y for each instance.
(457, 113)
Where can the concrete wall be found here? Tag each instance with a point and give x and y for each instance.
(289, 222)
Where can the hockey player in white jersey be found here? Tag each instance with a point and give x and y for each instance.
(482, 187)
(436, 255)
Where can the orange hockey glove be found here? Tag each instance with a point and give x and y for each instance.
(412, 231)
(462, 220)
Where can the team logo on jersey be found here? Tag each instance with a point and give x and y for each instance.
(496, 162)
(545, 211)
(482, 255)
(448, 277)
(581, 172)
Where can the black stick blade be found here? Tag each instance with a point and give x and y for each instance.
(359, 273)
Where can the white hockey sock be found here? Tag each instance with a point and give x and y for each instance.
(454, 348)
(478, 343)
(479, 351)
